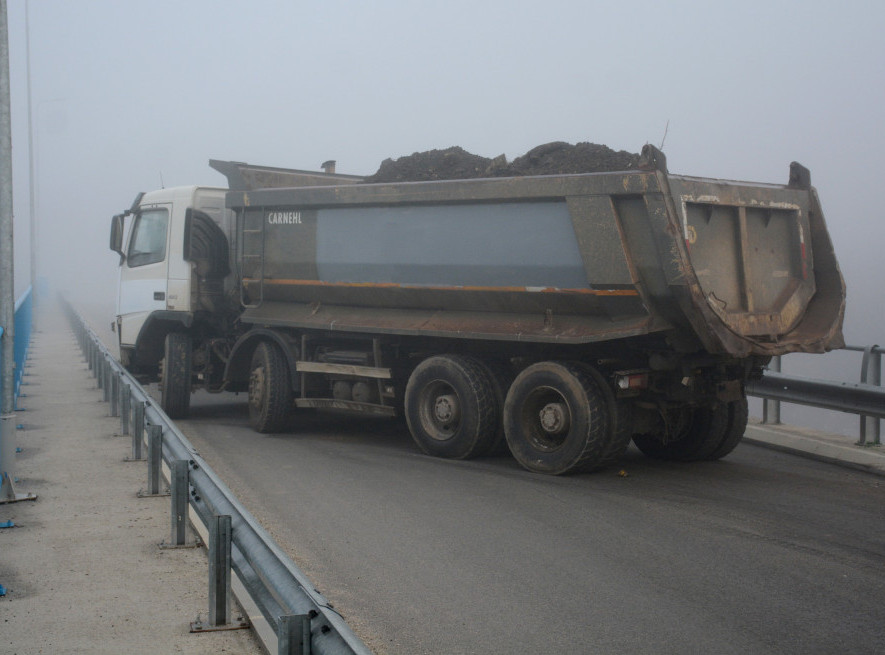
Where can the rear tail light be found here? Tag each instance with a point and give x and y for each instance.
(631, 381)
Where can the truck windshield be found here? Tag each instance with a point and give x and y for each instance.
(148, 242)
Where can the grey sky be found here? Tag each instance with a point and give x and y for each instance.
(128, 93)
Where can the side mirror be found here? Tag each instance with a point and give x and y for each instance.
(116, 243)
(118, 225)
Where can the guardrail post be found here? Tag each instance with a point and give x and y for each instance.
(180, 487)
(180, 484)
(115, 393)
(771, 409)
(154, 461)
(137, 432)
(125, 409)
(105, 379)
(89, 353)
(293, 635)
(219, 570)
(870, 373)
(155, 457)
(99, 371)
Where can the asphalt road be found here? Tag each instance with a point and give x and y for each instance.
(762, 552)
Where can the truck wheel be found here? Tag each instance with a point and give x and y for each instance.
(450, 407)
(704, 429)
(557, 419)
(500, 376)
(620, 427)
(270, 390)
(738, 413)
(175, 375)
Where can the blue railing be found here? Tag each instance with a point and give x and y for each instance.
(24, 319)
(24, 310)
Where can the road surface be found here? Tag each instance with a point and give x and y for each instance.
(761, 552)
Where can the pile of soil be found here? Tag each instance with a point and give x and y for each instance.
(559, 157)
(549, 159)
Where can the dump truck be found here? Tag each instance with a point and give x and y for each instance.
(558, 316)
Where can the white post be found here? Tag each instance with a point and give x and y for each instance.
(7, 269)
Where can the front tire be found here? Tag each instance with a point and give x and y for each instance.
(175, 375)
(451, 408)
(270, 390)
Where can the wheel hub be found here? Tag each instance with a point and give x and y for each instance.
(445, 409)
(554, 418)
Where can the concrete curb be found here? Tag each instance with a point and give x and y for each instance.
(835, 449)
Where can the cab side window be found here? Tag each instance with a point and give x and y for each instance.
(148, 242)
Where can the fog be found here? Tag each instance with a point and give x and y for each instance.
(128, 97)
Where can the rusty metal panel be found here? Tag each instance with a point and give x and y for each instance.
(290, 243)
(715, 236)
(648, 252)
(242, 176)
(537, 328)
(346, 405)
(599, 241)
(751, 261)
(546, 187)
(732, 267)
(605, 302)
(762, 263)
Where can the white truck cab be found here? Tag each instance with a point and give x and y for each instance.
(158, 273)
(178, 302)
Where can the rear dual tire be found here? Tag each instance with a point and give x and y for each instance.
(707, 433)
(557, 417)
(451, 407)
(562, 417)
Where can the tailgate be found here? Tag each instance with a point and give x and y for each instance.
(764, 263)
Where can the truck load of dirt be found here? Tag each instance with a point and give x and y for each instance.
(554, 158)
(559, 158)
(450, 164)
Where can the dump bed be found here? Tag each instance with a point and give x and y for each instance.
(729, 267)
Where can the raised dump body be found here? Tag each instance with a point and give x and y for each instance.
(554, 316)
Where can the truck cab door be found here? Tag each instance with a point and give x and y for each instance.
(144, 271)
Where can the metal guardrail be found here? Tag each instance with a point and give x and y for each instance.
(303, 620)
(866, 398)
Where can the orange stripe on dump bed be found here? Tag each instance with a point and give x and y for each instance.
(392, 285)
